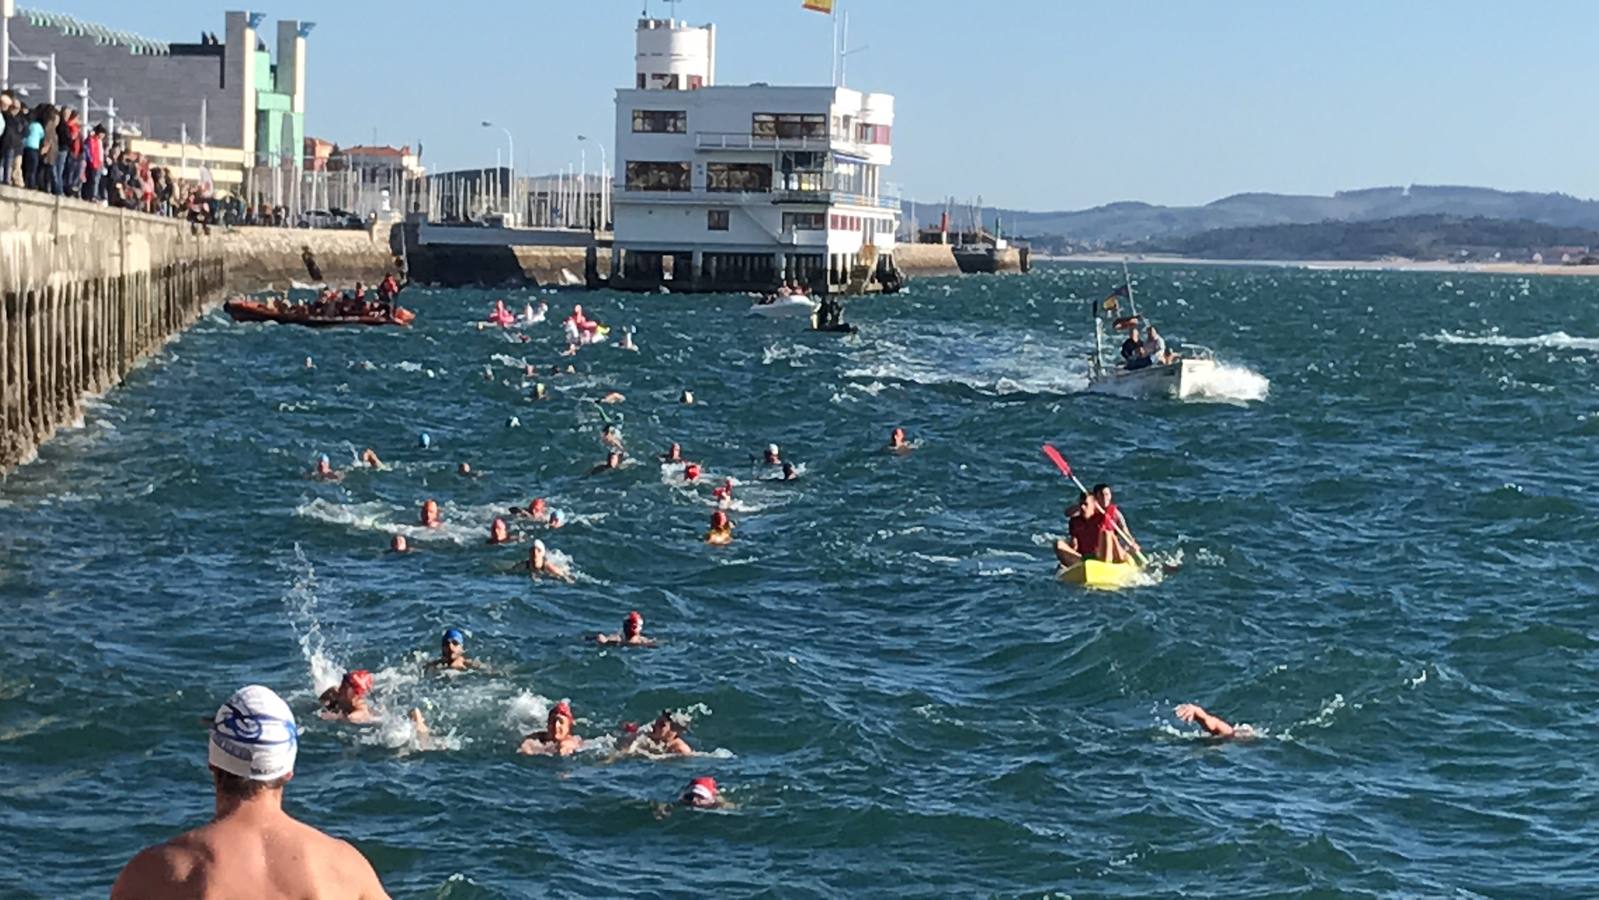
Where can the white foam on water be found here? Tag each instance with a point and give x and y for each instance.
(1231, 384)
(300, 602)
(460, 526)
(1554, 340)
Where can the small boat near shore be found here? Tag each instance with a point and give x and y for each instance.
(242, 310)
(790, 307)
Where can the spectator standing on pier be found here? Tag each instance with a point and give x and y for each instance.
(49, 147)
(33, 149)
(94, 164)
(63, 151)
(164, 191)
(71, 152)
(11, 129)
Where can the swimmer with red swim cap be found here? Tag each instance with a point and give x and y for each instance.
(347, 701)
(721, 529)
(691, 472)
(557, 738)
(701, 793)
(632, 633)
(723, 493)
(896, 442)
(537, 510)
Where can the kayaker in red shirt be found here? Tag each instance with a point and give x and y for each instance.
(1082, 532)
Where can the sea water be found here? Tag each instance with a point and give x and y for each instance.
(1382, 514)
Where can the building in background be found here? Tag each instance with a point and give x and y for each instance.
(741, 187)
(224, 103)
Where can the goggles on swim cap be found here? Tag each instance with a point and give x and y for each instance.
(253, 735)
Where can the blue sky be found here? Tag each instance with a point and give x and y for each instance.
(1036, 104)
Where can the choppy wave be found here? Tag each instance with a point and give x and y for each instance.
(1554, 340)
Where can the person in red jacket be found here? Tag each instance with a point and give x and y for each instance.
(93, 163)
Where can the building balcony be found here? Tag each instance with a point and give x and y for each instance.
(835, 198)
(722, 140)
(803, 237)
(630, 194)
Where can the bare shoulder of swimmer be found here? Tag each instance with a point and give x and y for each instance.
(285, 858)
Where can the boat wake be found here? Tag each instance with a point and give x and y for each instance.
(1555, 340)
(1230, 384)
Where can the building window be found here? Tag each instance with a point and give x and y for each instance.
(660, 121)
(658, 176)
(717, 219)
(641, 81)
(804, 221)
(789, 125)
(872, 134)
(744, 177)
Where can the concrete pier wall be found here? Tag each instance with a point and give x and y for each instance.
(85, 292)
(926, 260)
(272, 258)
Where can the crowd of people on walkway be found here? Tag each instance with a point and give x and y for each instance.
(55, 150)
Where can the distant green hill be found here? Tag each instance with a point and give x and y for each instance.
(1412, 237)
(1129, 222)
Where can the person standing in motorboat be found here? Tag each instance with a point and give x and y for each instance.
(1155, 349)
(1132, 348)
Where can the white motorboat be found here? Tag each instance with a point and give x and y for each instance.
(1181, 374)
(791, 307)
(1178, 379)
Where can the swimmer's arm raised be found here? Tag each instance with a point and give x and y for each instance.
(1191, 712)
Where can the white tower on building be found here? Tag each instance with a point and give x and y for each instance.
(743, 187)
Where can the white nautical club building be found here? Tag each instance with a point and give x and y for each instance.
(738, 187)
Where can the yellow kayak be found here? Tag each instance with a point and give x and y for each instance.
(1095, 574)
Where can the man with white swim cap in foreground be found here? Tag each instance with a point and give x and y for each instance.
(251, 848)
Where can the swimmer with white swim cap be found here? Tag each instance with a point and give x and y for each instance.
(539, 563)
(324, 470)
(251, 847)
(772, 457)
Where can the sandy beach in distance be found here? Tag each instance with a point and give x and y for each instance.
(1375, 265)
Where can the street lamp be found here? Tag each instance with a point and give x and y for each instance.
(605, 183)
(43, 64)
(510, 145)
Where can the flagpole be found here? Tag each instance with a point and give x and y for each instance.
(833, 21)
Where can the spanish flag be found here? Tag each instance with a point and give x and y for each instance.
(821, 6)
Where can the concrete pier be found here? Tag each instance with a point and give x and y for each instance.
(86, 292)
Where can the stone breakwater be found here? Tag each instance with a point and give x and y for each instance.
(85, 293)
